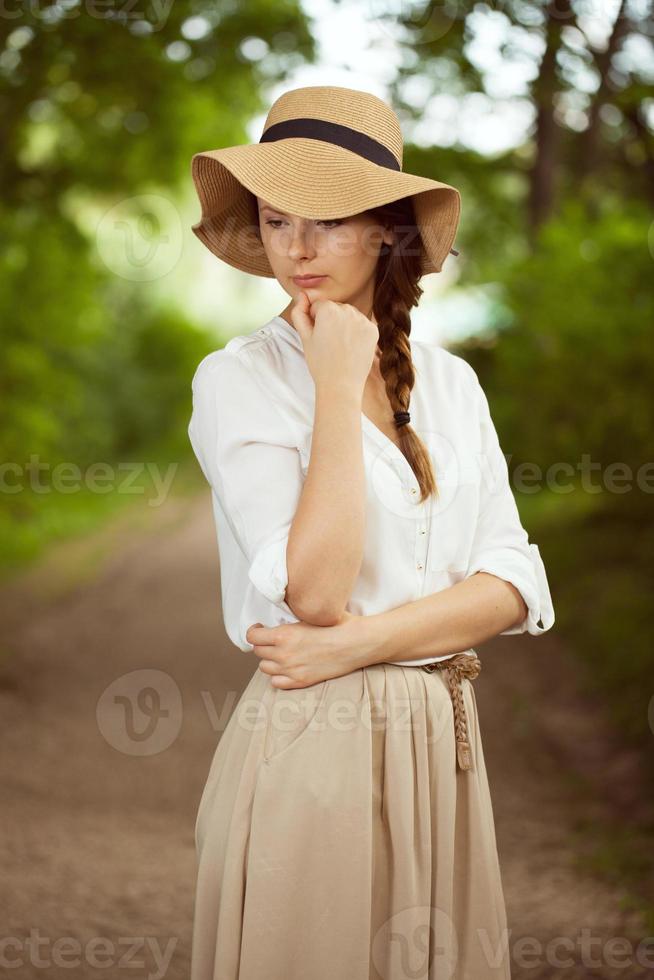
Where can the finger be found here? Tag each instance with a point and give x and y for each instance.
(271, 668)
(284, 682)
(259, 635)
(300, 315)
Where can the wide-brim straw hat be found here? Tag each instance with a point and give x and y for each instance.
(325, 152)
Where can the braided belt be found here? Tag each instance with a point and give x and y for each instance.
(461, 665)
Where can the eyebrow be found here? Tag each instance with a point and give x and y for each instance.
(273, 210)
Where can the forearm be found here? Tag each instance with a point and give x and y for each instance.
(445, 622)
(326, 539)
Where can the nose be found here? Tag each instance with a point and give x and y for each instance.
(301, 245)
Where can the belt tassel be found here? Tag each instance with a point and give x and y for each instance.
(461, 665)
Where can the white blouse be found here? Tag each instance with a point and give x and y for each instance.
(251, 430)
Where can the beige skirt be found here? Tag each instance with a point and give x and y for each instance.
(338, 837)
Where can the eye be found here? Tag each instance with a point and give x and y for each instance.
(275, 222)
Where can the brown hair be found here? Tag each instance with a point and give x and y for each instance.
(396, 291)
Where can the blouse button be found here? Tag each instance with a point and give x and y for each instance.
(419, 564)
(423, 530)
(413, 490)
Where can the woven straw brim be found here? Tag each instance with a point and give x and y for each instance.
(313, 179)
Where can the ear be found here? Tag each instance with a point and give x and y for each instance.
(388, 236)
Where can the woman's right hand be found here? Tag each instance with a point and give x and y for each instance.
(339, 341)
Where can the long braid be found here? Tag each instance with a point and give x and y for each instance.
(397, 289)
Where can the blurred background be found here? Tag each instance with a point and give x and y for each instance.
(543, 116)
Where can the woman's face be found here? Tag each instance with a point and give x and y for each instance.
(344, 250)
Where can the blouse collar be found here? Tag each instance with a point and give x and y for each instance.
(279, 324)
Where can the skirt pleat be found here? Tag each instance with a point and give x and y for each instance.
(338, 840)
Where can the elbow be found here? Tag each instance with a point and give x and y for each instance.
(520, 622)
(519, 617)
(314, 609)
(326, 617)
(509, 609)
(528, 601)
(316, 591)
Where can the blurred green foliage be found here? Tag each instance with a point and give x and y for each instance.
(100, 104)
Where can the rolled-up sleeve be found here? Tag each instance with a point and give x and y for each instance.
(501, 545)
(249, 456)
(268, 571)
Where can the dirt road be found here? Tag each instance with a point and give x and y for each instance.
(100, 790)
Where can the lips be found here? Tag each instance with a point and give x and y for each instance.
(309, 282)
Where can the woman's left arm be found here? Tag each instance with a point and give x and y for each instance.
(449, 621)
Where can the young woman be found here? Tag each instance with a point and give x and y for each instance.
(368, 540)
